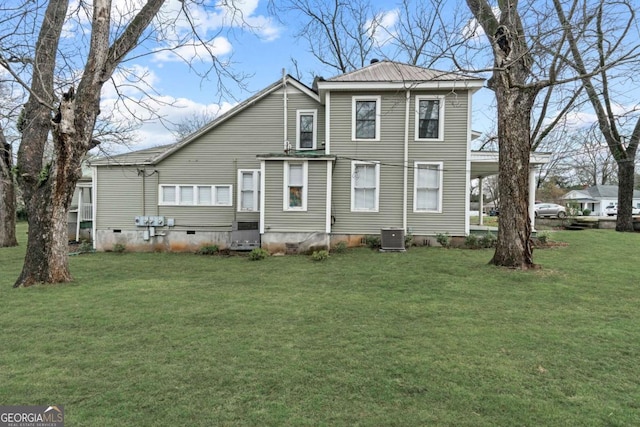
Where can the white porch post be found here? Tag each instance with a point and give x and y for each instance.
(532, 196)
(79, 214)
(481, 205)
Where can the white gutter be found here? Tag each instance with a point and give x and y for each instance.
(467, 190)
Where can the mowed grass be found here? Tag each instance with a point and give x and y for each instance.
(431, 337)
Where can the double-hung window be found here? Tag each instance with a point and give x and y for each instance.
(295, 188)
(306, 129)
(365, 186)
(429, 118)
(365, 118)
(195, 195)
(427, 187)
(248, 190)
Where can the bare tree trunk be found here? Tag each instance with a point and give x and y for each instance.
(7, 196)
(513, 248)
(626, 172)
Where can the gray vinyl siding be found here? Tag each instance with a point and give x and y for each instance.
(118, 197)
(311, 220)
(214, 159)
(389, 151)
(453, 153)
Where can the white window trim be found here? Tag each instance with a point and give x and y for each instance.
(440, 166)
(440, 98)
(305, 185)
(196, 189)
(354, 100)
(256, 191)
(313, 113)
(353, 189)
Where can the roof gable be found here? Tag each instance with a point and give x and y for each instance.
(154, 155)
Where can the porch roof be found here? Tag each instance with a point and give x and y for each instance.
(485, 163)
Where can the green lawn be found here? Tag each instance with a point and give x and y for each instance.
(431, 337)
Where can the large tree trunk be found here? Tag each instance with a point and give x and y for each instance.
(7, 196)
(626, 172)
(513, 248)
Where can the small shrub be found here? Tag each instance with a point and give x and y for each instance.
(258, 254)
(408, 240)
(320, 255)
(85, 247)
(472, 241)
(443, 239)
(119, 248)
(208, 250)
(340, 247)
(372, 241)
(488, 240)
(586, 212)
(543, 238)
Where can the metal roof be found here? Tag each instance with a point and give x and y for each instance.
(390, 71)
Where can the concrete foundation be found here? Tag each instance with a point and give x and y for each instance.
(163, 241)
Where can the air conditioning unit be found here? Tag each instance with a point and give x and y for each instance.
(392, 240)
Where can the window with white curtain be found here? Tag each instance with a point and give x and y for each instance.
(427, 187)
(365, 186)
(249, 190)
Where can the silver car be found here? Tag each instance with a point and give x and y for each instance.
(550, 210)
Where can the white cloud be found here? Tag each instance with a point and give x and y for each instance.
(194, 50)
(382, 27)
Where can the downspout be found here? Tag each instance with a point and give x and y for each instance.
(79, 214)
(94, 197)
(405, 183)
(287, 146)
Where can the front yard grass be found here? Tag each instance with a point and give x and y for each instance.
(428, 337)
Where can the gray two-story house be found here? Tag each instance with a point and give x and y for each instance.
(385, 147)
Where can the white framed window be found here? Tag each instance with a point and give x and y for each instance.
(306, 129)
(429, 118)
(194, 195)
(427, 187)
(365, 186)
(222, 195)
(365, 118)
(248, 190)
(295, 186)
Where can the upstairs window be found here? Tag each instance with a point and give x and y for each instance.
(427, 187)
(295, 190)
(366, 118)
(365, 186)
(429, 118)
(306, 130)
(249, 190)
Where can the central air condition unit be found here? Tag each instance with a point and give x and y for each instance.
(392, 240)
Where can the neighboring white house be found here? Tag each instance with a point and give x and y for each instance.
(597, 198)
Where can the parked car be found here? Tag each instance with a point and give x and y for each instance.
(612, 210)
(550, 210)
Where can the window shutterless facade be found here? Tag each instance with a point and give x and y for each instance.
(365, 186)
(429, 118)
(195, 195)
(248, 190)
(306, 133)
(427, 187)
(365, 118)
(295, 188)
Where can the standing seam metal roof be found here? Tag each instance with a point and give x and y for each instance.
(389, 71)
